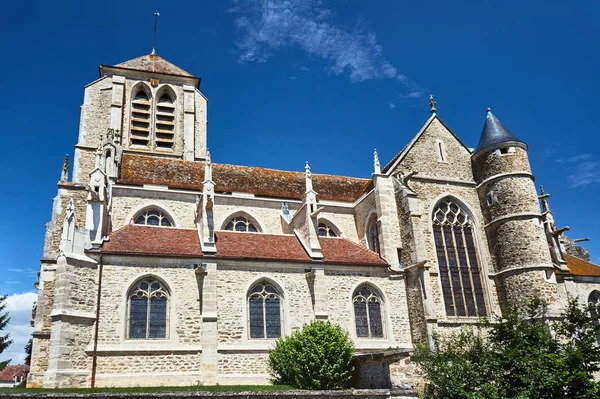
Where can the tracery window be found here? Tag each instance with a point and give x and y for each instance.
(240, 223)
(265, 311)
(326, 231)
(148, 310)
(165, 121)
(373, 234)
(368, 312)
(140, 118)
(594, 300)
(460, 271)
(153, 217)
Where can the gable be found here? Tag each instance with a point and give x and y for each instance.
(435, 152)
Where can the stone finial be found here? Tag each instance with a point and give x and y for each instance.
(376, 164)
(432, 104)
(64, 175)
(99, 156)
(208, 167)
(309, 186)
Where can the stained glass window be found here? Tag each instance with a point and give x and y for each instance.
(152, 217)
(240, 223)
(326, 231)
(373, 234)
(368, 313)
(460, 273)
(264, 311)
(148, 310)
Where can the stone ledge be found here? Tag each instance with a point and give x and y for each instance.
(398, 393)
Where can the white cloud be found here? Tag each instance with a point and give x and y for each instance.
(392, 105)
(267, 25)
(578, 158)
(19, 308)
(584, 174)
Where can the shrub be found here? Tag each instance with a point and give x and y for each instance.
(318, 357)
(522, 355)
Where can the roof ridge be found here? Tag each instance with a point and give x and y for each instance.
(288, 171)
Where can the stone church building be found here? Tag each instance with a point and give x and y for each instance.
(161, 267)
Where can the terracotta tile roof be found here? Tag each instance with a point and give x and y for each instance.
(9, 372)
(148, 240)
(580, 267)
(153, 63)
(232, 244)
(153, 241)
(175, 173)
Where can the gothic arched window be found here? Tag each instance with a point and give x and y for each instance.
(140, 118)
(165, 121)
(148, 309)
(265, 311)
(373, 234)
(326, 230)
(153, 217)
(594, 300)
(368, 312)
(240, 223)
(460, 271)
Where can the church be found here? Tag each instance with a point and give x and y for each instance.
(161, 267)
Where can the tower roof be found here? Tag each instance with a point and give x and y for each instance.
(495, 133)
(153, 63)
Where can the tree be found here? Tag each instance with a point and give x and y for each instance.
(522, 355)
(318, 357)
(5, 340)
(27, 348)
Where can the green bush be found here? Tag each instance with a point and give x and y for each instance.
(522, 355)
(318, 357)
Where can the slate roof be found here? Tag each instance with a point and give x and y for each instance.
(580, 267)
(167, 241)
(9, 372)
(494, 132)
(179, 174)
(153, 63)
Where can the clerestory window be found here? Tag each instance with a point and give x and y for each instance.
(458, 261)
(240, 223)
(368, 312)
(148, 310)
(265, 311)
(326, 231)
(373, 234)
(153, 217)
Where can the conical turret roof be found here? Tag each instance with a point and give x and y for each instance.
(494, 134)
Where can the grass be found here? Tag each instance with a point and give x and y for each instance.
(193, 388)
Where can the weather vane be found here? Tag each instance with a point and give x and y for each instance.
(156, 15)
(432, 104)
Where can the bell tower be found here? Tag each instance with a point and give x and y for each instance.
(513, 222)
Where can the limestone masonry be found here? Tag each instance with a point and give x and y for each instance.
(162, 268)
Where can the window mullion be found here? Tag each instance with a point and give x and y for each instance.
(148, 317)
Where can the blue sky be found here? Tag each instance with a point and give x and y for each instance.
(290, 81)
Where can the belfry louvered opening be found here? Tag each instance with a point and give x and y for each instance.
(165, 121)
(459, 266)
(140, 119)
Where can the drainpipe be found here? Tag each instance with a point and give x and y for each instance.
(94, 354)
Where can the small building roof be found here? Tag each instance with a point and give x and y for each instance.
(9, 372)
(580, 267)
(495, 133)
(167, 241)
(189, 175)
